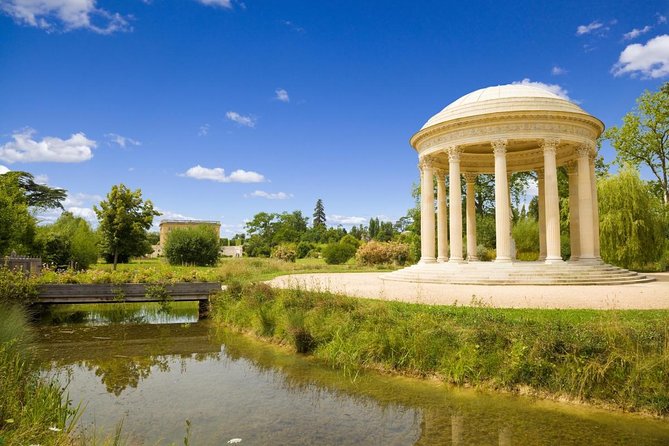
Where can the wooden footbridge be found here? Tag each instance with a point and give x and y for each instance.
(59, 294)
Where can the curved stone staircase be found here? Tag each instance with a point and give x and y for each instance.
(518, 273)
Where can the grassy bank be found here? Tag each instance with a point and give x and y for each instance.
(228, 270)
(616, 358)
(32, 410)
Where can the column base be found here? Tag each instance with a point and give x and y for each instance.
(589, 261)
(442, 259)
(503, 260)
(472, 259)
(456, 260)
(424, 260)
(553, 260)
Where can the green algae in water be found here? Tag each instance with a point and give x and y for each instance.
(155, 377)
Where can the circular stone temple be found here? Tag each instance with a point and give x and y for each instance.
(501, 130)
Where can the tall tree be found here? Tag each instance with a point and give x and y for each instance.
(319, 214)
(124, 221)
(643, 139)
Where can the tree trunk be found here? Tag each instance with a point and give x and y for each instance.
(115, 260)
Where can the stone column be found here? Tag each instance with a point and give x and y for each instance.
(585, 204)
(442, 217)
(470, 179)
(502, 217)
(512, 242)
(426, 212)
(552, 201)
(595, 202)
(574, 231)
(455, 205)
(541, 204)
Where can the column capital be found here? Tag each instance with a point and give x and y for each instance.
(584, 150)
(540, 173)
(454, 153)
(572, 168)
(499, 146)
(425, 163)
(471, 177)
(440, 174)
(550, 145)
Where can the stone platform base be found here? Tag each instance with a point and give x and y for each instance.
(517, 273)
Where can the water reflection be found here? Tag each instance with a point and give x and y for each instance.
(229, 386)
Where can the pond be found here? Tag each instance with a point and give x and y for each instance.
(156, 371)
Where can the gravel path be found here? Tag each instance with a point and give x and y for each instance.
(652, 295)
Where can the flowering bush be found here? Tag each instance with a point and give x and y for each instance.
(381, 253)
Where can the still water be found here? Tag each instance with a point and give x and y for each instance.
(154, 371)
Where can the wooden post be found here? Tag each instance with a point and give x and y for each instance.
(203, 308)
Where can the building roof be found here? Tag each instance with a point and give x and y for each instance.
(501, 99)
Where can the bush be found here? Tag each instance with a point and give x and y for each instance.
(195, 246)
(285, 252)
(338, 253)
(69, 241)
(383, 253)
(484, 254)
(350, 240)
(526, 235)
(16, 287)
(303, 249)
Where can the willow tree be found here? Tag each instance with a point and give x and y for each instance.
(632, 220)
(643, 139)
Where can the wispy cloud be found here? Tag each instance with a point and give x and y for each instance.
(4, 169)
(246, 121)
(65, 15)
(269, 195)
(121, 141)
(218, 174)
(25, 149)
(204, 130)
(281, 95)
(553, 88)
(346, 220)
(636, 32)
(292, 26)
(661, 19)
(649, 60)
(558, 71)
(589, 28)
(227, 4)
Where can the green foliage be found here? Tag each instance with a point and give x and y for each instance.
(526, 235)
(192, 246)
(643, 138)
(319, 214)
(285, 252)
(17, 225)
(124, 220)
(383, 253)
(338, 253)
(303, 249)
(632, 221)
(29, 404)
(348, 239)
(69, 241)
(36, 195)
(16, 287)
(615, 357)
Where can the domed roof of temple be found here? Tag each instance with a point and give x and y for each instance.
(503, 99)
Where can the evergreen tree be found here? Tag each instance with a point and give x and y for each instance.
(319, 214)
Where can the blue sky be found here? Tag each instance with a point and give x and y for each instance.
(219, 109)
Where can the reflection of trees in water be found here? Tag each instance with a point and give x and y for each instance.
(119, 373)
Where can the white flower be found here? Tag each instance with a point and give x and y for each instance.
(55, 429)
(234, 440)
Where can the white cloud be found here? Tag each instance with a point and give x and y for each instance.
(282, 95)
(346, 220)
(661, 18)
(65, 15)
(292, 26)
(25, 149)
(557, 71)
(270, 195)
(553, 88)
(218, 3)
(41, 179)
(204, 130)
(4, 169)
(587, 29)
(122, 141)
(171, 215)
(246, 121)
(80, 199)
(85, 213)
(636, 32)
(218, 174)
(650, 60)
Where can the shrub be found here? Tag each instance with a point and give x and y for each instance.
(285, 252)
(484, 254)
(382, 253)
(16, 287)
(526, 235)
(338, 253)
(350, 240)
(196, 246)
(303, 249)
